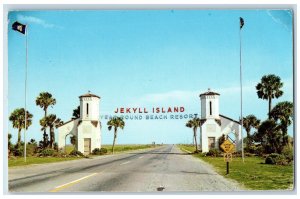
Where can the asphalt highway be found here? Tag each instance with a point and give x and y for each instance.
(165, 169)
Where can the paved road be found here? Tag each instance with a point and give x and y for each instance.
(161, 169)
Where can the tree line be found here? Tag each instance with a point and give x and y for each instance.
(48, 124)
(268, 136)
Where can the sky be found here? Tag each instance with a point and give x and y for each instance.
(148, 58)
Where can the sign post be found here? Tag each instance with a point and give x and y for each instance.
(228, 147)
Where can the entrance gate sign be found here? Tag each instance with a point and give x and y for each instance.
(153, 113)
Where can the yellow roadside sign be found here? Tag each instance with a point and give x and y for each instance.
(227, 146)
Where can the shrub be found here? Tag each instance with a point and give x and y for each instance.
(213, 153)
(288, 153)
(258, 150)
(269, 160)
(31, 149)
(46, 152)
(103, 150)
(98, 151)
(60, 154)
(275, 158)
(18, 151)
(76, 153)
(281, 160)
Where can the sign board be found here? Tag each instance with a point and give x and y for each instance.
(227, 157)
(227, 146)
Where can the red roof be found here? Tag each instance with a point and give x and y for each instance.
(88, 95)
(209, 93)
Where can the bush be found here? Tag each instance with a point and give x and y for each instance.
(18, 151)
(76, 153)
(60, 154)
(258, 150)
(269, 160)
(30, 149)
(98, 151)
(213, 153)
(275, 158)
(46, 152)
(288, 153)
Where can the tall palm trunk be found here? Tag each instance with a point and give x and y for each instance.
(195, 137)
(45, 136)
(284, 135)
(115, 137)
(270, 105)
(19, 136)
(52, 137)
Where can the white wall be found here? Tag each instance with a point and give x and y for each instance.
(229, 126)
(87, 130)
(63, 131)
(210, 129)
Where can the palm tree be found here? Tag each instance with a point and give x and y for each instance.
(269, 88)
(44, 100)
(194, 123)
(283, 111)
(249, 122)
(17, 117)
(270, 137)
(76, 113)
(51, 121)
(116, 122)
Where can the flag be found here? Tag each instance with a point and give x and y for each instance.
(241, 22)
(19, 27)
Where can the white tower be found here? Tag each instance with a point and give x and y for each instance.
(89, 107)
(89, 126)
(210, 120)
(210, 105)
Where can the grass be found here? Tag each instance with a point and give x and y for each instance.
(126, 147)
(19, 161)
(253, 174)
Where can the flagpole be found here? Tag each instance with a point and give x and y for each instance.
(26, 90)
(241, 84)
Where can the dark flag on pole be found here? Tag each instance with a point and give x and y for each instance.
(241, 22)
(19, 27)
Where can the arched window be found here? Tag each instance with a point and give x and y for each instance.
(210, 108)
(87, 109)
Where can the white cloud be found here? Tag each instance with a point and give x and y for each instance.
(181, 97)
(35, 20)
(282, 17)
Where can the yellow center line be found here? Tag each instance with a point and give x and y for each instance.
(58, 188)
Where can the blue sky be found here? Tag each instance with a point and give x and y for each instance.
(148, 59)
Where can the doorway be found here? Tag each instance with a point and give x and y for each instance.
(87, 145)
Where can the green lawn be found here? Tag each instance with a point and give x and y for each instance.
(19, 161)
(253, 174)
(127, 147)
